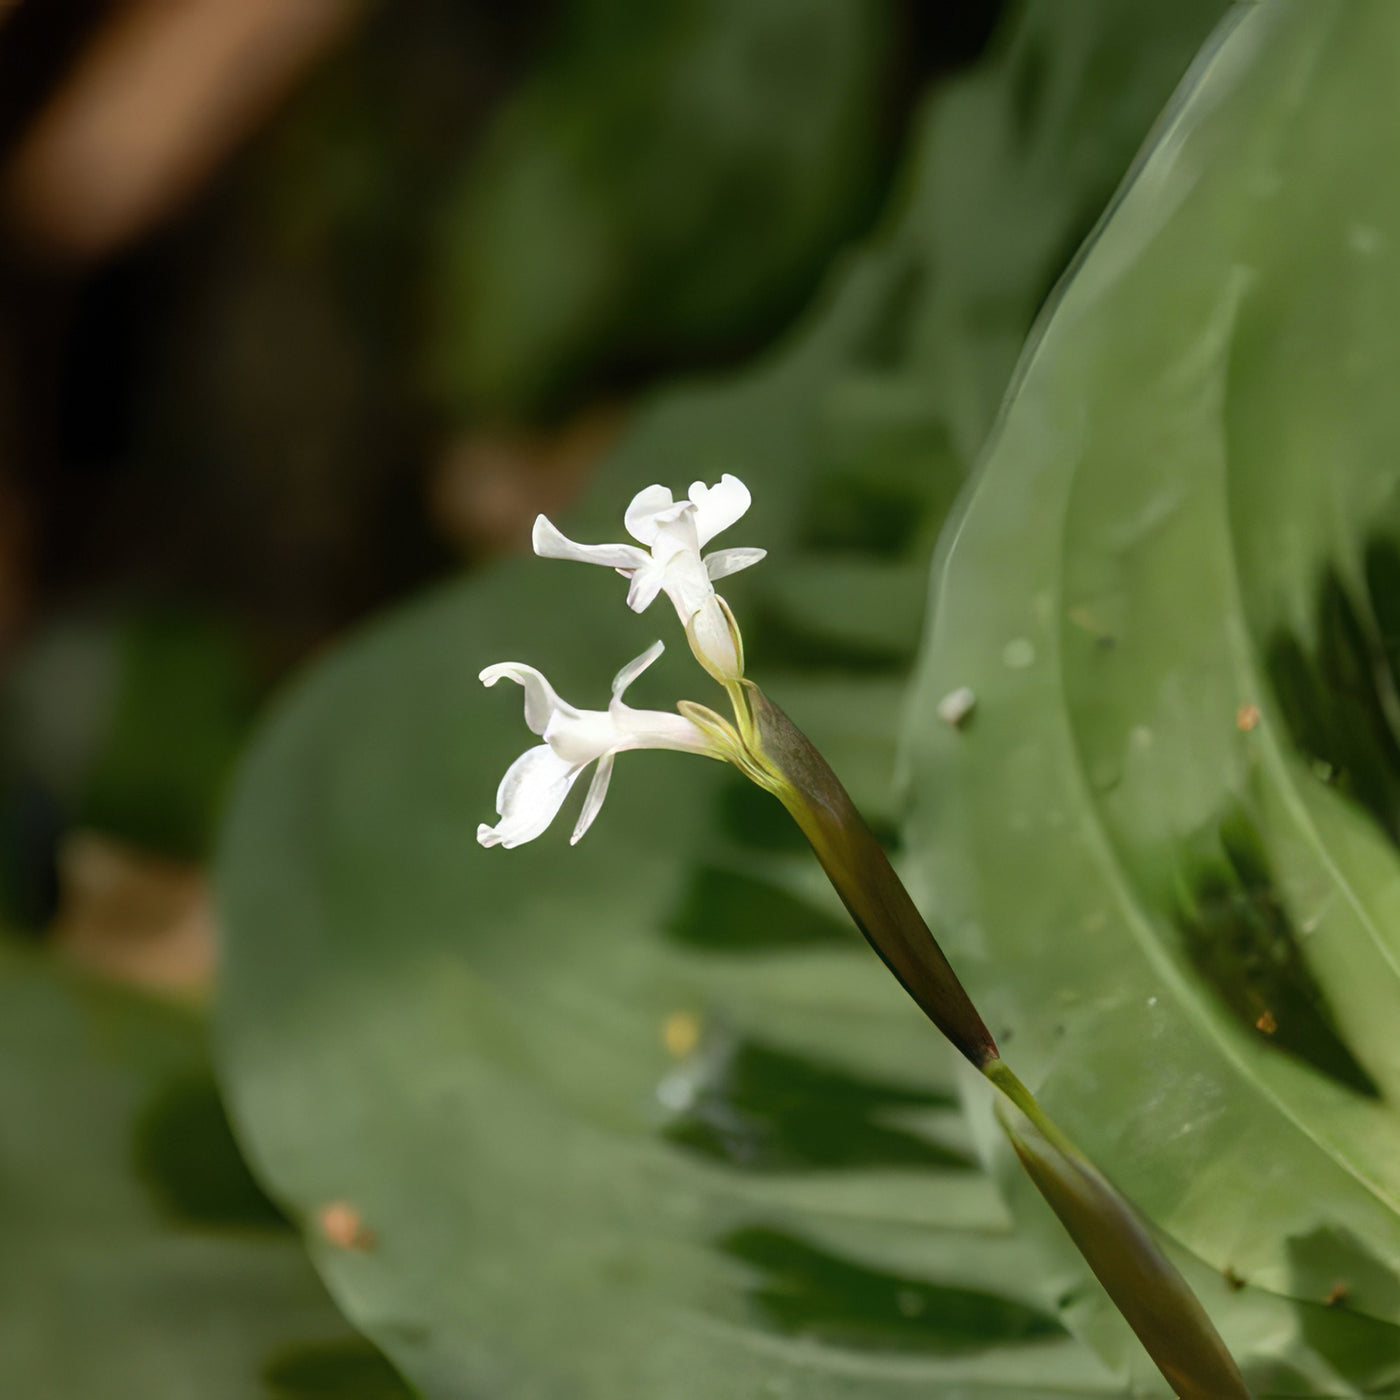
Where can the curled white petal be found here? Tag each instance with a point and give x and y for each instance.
(674, 533)
(634, 668)
(641, 516)
(647, 582)
(550, 543)
(529, 797)
(593, 799)
(718, 507)
(540, 700)
(724, 562)
(536, 784)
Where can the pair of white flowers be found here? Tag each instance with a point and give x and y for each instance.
(673, 533)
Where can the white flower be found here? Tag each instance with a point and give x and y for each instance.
(536, 784)
(675, 532)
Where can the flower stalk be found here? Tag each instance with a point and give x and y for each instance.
(769, 749)
(1143, 1283)
(862, 875)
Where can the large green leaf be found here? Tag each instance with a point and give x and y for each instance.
(141, 1260)
(1164, 849)
(472, 1046)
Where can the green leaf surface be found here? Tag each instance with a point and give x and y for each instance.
(672, 178)
(142, 1262)
(613, 1134)
(1164, 850)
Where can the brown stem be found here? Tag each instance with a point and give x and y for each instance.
(862, 875)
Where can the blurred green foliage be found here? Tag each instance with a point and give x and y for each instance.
(128, 725)
(182, 703)
(141, 1261)
(668, 184)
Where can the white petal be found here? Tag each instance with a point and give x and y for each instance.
(646, 584)
(687, 584)
(540, 700)
(580, 738)
(656, 729)
(713, 642)
(647, 504)
(718, 507)
(675, 534)
(550, 544)
(724, 562)
(593, 800)
(634, 668)
(531, 793)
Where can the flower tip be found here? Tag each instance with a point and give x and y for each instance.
(542, 535)
(488, 835)
(714, 639)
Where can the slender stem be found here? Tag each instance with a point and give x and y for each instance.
(1116, 1243)
(1005, 1078)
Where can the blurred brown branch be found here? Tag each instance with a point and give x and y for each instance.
(491, 483)
(165, 90)
(133, 916)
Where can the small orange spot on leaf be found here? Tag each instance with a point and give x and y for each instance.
(343, 1226)
(1337, 1294)
(1246, 718)
(1266, 1023)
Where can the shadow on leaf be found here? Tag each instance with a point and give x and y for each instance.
(344, 1370)
(1240, 939)
(724, 911)
(186, 1154)
(764, 1109)
(804, 1290)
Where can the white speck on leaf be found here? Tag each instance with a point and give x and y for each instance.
(1018, 654)
(955, 707)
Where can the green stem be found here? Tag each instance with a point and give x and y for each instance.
(1117, 1244)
